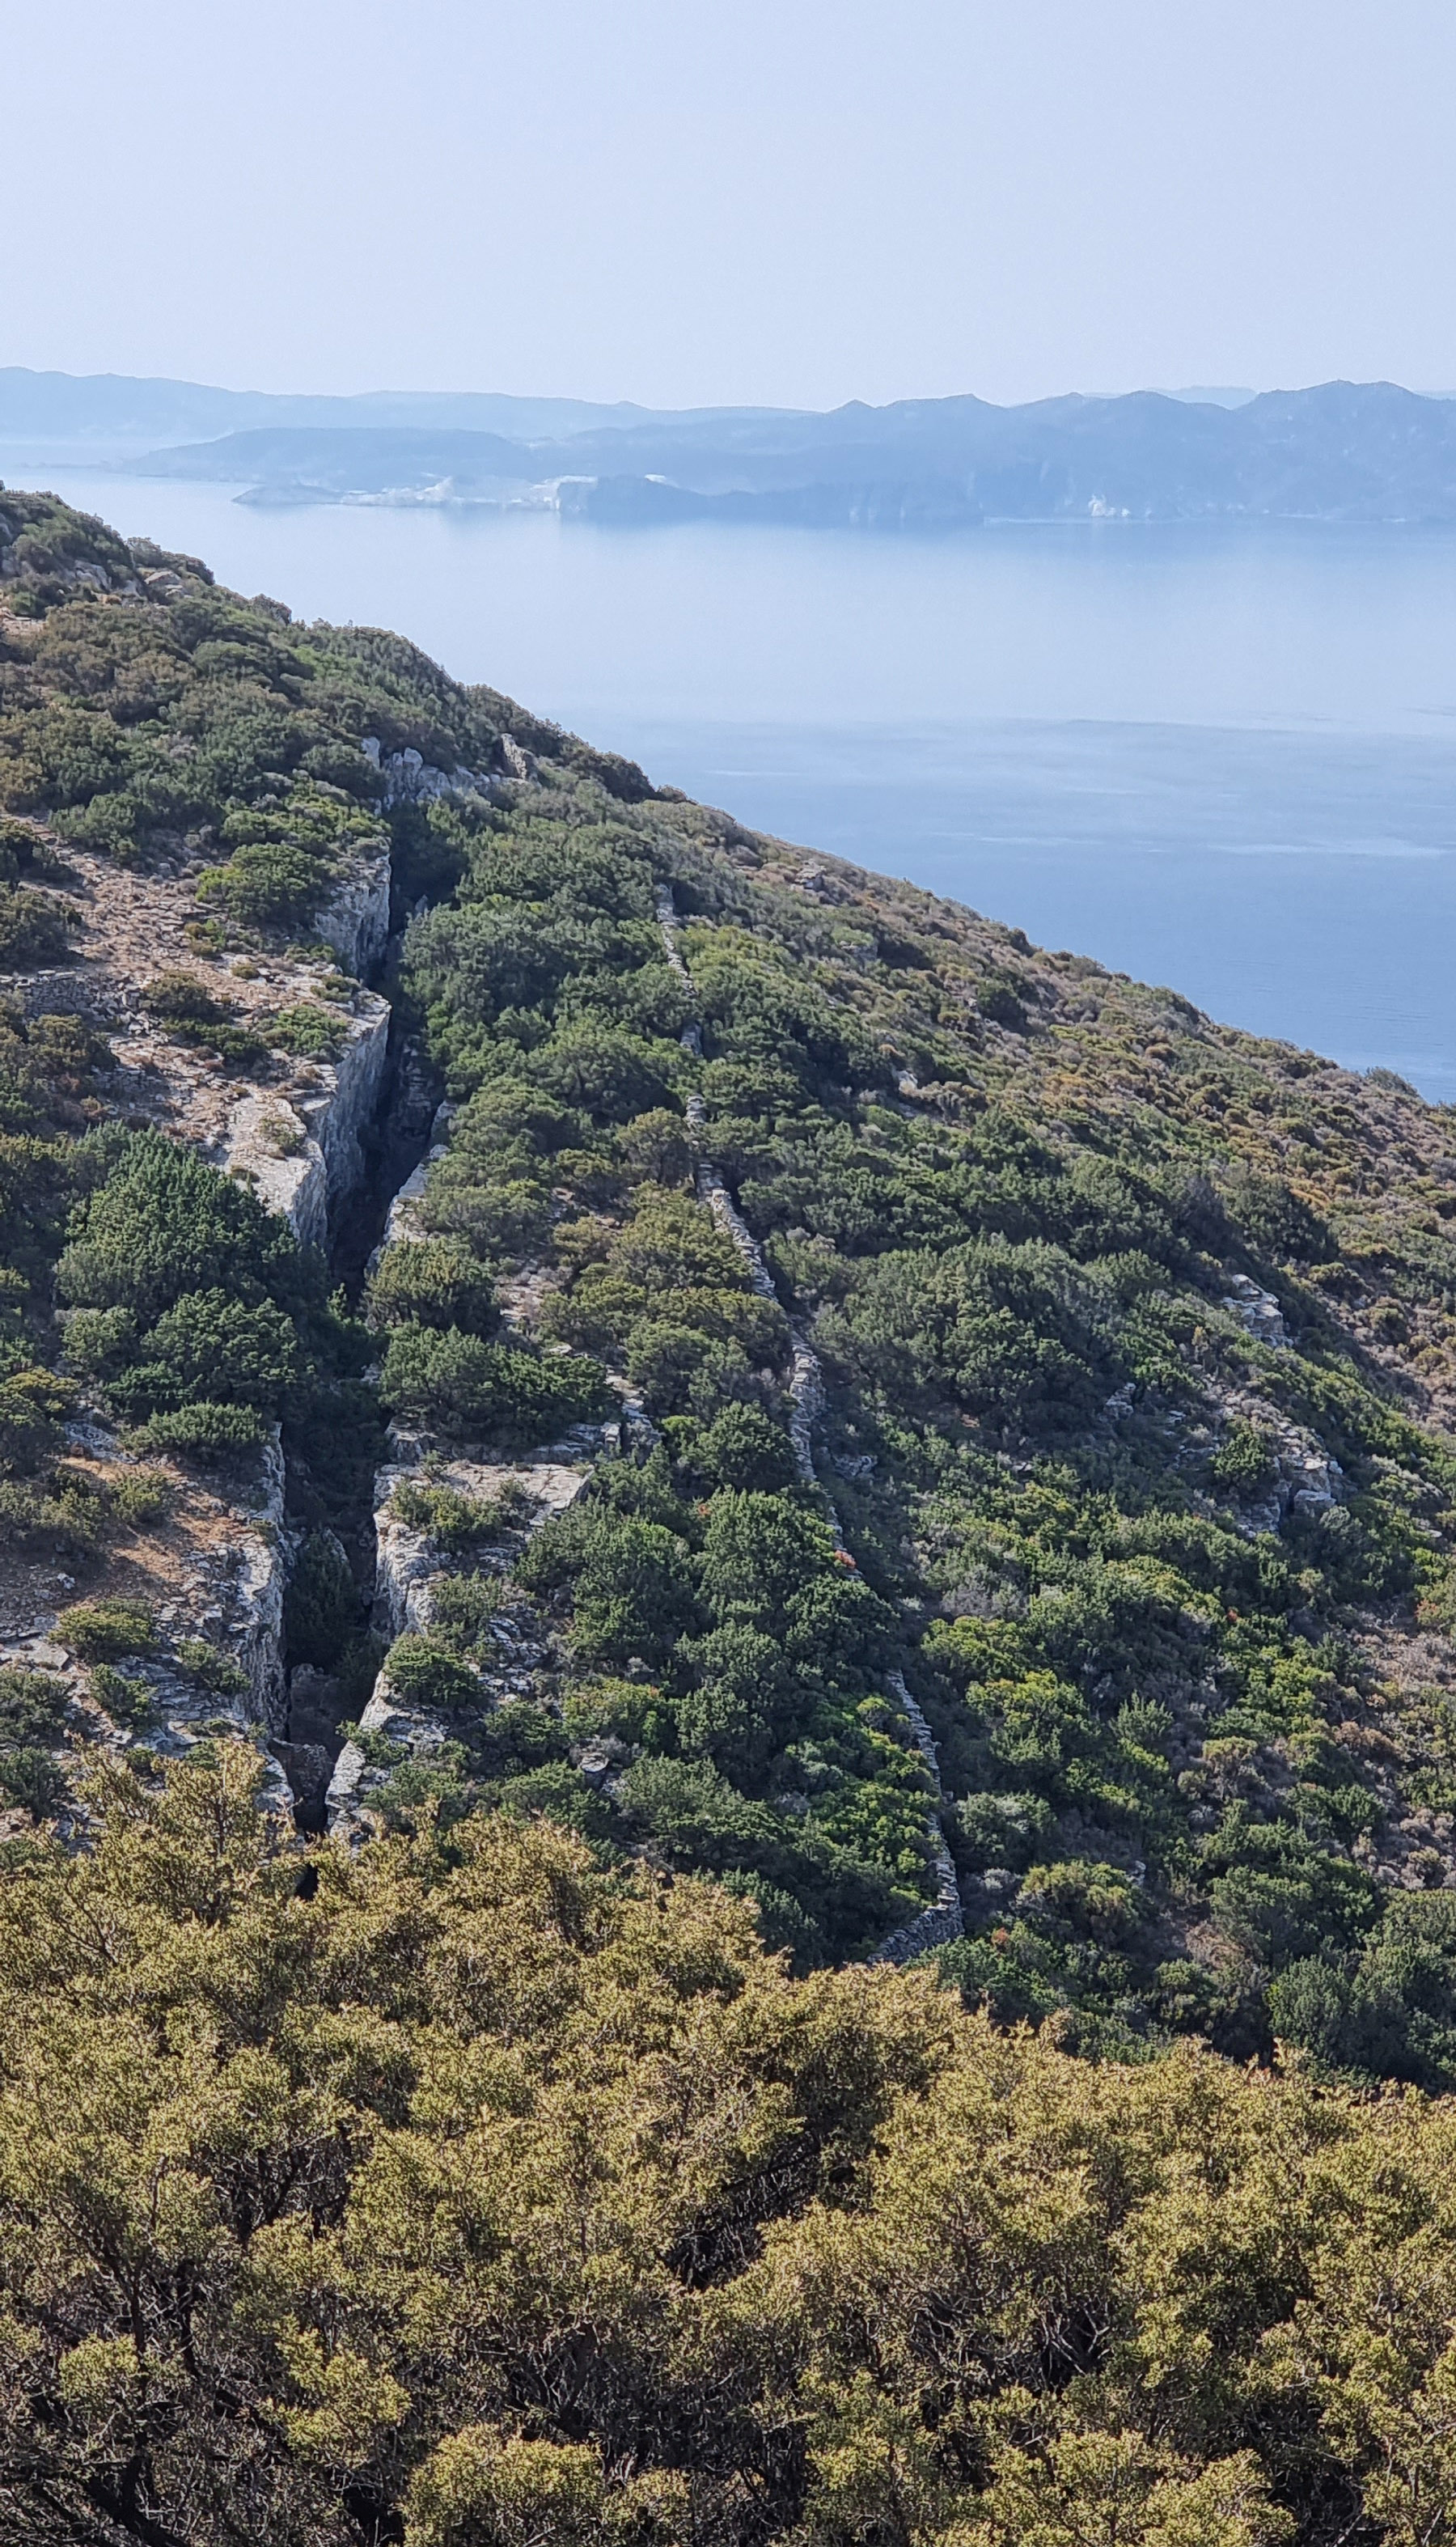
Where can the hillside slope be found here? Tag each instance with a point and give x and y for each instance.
(932, 1434)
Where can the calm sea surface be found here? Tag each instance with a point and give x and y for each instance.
(1224, 760)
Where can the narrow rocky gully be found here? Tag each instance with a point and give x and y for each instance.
(358, 1185)
(399, 1569)
(340, 1146)
(396, 1562)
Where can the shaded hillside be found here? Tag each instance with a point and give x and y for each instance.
(821, 1313)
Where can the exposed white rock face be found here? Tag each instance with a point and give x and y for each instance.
(262, 1578)
(409, 1564)
(518, 763)
(406, 1222)
(407, 778)
(217, 1567)
(303, 1152)
(295, 1130)
(355, 920)
(408, 1561)
(215, 1571)
(1306, 1479)
(1258, 1310)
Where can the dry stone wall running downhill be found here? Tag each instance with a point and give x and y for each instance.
(943, 1922)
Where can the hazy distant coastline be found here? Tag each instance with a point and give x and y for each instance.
(1340, 453)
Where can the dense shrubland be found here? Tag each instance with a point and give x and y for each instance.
(1158, 1633)
(470, 2196)
(143, 711)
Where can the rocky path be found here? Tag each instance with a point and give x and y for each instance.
(943, 1922)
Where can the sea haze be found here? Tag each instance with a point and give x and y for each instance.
(1220, 759)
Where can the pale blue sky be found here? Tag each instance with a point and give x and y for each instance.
(688, 201)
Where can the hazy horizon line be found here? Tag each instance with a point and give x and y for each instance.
(1211, 394)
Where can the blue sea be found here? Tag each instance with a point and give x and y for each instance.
(1221, 759)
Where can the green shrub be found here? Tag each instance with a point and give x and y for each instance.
(635, 1592)
(140, 1496)
(102, 1632)
(461, 1385)
(379, 1750)
(98, 1340)
(284, 861)
(33, 1401)
(744, 1447)
(163, 1224)
(997, 1000)
(657, 1145)
(34, 1781)
(208, 1431)
(309, 1029)
(462, 1606)
(560, 1794)
(211, 1668)
(436, 1786)
(615, 1076)
(454, 1520)
(423, 1672)
(210, 1346)
(32, 1706)
(128, 1702)
(185, 1006)
(112, 823)
(432, 1282)
(34, 928)
(681, 1370)
(322, 1612)
(63, 1520)
(1242, 1461)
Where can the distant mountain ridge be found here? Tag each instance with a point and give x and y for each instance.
(112, 409)
(1341, 452)
(1345, 452)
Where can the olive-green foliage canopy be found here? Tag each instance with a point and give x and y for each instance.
(475, 2197)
